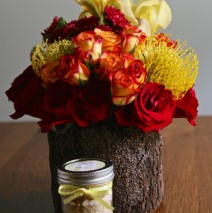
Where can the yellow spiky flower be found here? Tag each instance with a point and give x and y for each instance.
(46, 53)
(174, 67)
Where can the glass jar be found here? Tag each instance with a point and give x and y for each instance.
(86, 186)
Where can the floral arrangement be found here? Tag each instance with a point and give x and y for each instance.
(110, 65)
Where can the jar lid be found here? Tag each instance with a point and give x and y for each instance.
(85, 171)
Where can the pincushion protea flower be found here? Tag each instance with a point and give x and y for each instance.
(172, 64)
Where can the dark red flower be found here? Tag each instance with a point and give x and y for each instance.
(57, 106)
(92, 103)
(70, 30)
(26, 92)
(186, 107)
(74, 28)
(115, 19)
(55, 30)
(53, 25)
(104, 27)
(86, 24)
(152, 110)
(57, 98)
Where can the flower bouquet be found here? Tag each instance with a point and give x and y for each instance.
(113, 71)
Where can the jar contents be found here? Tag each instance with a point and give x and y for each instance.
(86, 204)
(86, 186)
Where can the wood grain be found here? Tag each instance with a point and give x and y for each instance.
(187, 166)
(187, 163)
(24, 179)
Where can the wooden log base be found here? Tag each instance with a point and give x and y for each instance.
(138, 182)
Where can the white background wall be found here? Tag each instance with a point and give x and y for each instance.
(21, 22)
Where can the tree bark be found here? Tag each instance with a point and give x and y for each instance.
(138, 182)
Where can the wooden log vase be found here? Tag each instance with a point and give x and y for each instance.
(138, 182)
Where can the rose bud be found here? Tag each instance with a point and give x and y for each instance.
(132, 36)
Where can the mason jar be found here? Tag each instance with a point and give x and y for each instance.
(86, 186)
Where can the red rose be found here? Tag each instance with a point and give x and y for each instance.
(186, 107)
(57, 98)
(152, 110)
(57, 105)
(25, 92)
(92, 102)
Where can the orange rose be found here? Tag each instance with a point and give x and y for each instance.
(132, 37)
(48, 74)
(110, 40)
(124, 88)
(90, 44)
(85, 40)
(128, 58)
(137, 71)
(73, 70)
(111, 61)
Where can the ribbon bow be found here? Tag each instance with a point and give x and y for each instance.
(73, 192)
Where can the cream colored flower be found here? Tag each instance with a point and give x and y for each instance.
(145, 26)
(148, 15)
(96, 7)
(156, 12)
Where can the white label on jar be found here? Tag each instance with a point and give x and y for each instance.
(85, 166)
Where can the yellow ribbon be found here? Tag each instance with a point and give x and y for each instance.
(73, 192)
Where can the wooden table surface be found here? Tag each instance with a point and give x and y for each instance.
(187, 163)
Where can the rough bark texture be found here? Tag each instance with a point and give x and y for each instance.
(138, 183)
